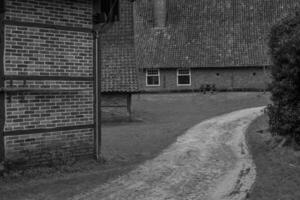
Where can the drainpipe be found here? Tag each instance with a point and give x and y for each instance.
(99, 21)
(97, 93)
(160, 13)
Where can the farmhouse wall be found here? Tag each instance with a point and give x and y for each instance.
(39, 125)
(224, 79)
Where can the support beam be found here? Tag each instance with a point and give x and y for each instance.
(48, 26)
(129, 109)
(48, 130)
(47, 78)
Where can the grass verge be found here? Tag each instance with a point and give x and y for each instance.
(278, 169)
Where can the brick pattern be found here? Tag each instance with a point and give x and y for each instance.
(45, 148)
(72, 13)
(36, 51)
(208, 33)
(47, 52)
(35, 111)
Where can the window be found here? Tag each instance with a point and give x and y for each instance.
(152, 77)
(109, 8)
(184, 77)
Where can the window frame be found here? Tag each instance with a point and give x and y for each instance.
(189, 74)
(151, 75)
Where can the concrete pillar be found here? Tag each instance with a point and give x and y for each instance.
(160, 13)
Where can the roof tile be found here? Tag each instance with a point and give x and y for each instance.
(208, 33)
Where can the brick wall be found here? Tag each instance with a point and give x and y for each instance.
(40, 51)
(56, 120)
(50, 147)
(73, 13)
(36, 111)
(47, 52)
(224, 79)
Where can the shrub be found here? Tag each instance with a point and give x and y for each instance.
(284, 112)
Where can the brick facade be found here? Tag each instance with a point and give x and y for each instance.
(49, 69)
(223, 79)
(44, 148)
(47, 52)
(67, 13)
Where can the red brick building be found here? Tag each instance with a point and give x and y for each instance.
(47, 76)
(182, 45)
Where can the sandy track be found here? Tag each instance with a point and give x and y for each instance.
(210, 161)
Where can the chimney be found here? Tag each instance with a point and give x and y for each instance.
(160, 13)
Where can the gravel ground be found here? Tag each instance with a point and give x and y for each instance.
(210, 161)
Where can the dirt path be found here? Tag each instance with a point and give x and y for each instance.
(210, 161)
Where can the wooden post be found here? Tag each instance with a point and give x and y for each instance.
(232, 81)
(265, 79)
(129, 109)
(2, 97)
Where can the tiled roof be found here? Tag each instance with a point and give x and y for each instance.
(121, 78)
(118, 64)
(118, 61)
(208, 33)
(118, 69)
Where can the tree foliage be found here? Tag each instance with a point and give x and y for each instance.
(284, 112)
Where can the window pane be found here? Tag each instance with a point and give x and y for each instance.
(152, 80)
(183, 80)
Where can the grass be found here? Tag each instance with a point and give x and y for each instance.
(159, 120)
(163, 117)
(278, 169)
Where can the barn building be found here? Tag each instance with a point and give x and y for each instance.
(192, 44)
(50, 63)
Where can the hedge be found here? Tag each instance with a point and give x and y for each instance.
(284, 112)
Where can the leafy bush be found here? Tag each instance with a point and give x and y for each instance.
(284, 113)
